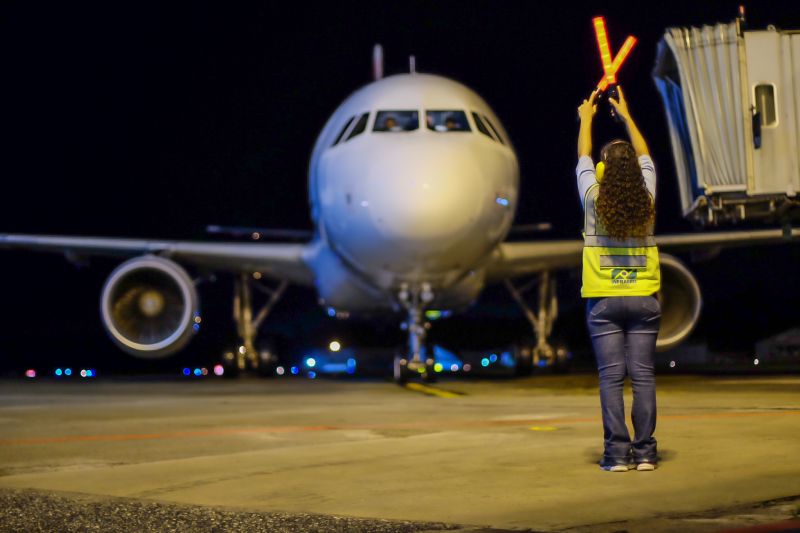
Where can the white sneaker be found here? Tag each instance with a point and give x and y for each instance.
(645, 467)
(615, 468)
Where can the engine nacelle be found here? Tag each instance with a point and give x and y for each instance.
(149, 307)
(681, 302)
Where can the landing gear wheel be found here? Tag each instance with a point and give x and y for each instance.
(229, 365)
(562, 359)
(429, 376)
(401, 372)
(267, 360)
(523, 358)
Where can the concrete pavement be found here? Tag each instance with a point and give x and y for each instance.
(517, 454)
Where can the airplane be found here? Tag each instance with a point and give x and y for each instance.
(413, 186)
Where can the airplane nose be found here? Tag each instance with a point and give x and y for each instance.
(425, 197)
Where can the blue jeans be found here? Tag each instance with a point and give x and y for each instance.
(624, 331)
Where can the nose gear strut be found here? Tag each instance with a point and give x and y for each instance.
(417, 361)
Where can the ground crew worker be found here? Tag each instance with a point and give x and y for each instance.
(621, 277)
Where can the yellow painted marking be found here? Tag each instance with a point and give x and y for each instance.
(432, 391)
(543, 428)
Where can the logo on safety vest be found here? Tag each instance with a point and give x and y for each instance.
(621, 276)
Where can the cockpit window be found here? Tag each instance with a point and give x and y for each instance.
(480, 125)
(396, 121)
(447, 121)
(496, 133)
(344, 129)
(360, 126)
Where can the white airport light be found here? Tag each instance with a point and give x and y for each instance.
(467, 367)
(280, 371)
(672, 364)
(242, 350)
(83, 372)
(311, 362)
(219, 370)
(755, 361)
(335, 346)
(454, 367)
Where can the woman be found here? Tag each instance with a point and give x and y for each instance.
(621, 276)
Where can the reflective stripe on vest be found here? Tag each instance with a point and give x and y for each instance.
(611, 267)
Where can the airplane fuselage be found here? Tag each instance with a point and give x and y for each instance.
(413, 181)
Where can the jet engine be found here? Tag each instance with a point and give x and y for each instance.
(149, 307)
(680, 303)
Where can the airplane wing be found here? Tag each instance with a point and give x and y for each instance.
(279, 260)
(512, 259)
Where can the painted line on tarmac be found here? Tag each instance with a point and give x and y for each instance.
(433, 391)
(421, 424)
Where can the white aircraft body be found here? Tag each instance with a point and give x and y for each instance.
(413, 186)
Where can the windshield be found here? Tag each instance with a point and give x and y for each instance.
(447, 120)
(396, 121)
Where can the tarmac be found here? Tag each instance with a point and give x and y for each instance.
(351, 455)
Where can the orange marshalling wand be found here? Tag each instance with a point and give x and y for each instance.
(610, 66)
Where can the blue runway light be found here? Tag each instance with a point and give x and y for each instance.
(186, 371)
(502, 201)
(295, 370)
(331, 312)
(484, 362)
(312, 374)
(196, 327)
(89, 373)
(68, 372)
(493, 358)
(198, 372)
(58, 372)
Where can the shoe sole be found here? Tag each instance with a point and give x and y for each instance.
(645, 467)
(615, 468)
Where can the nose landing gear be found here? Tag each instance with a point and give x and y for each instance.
(418, 360)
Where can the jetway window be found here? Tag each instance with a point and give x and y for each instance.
(443, 121)
(480, 125)
(344, 129)
(496, 133)
(765, 104)
(360, 126)
(396, 121)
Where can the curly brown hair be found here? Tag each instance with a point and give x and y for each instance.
(624, 206)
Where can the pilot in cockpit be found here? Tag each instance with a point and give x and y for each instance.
(390, 124)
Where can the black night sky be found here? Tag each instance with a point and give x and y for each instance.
(154, 120)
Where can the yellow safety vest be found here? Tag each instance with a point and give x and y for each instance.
(616, 267)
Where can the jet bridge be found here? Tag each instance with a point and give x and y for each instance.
(732, 101)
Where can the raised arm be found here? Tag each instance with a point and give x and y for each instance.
(637, 140)
(586, 112)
